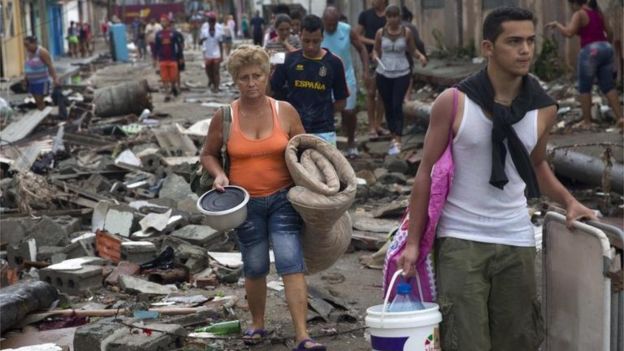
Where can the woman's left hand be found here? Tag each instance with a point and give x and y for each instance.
(423, 60)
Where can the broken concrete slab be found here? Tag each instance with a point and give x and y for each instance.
(157, 221)
(136, 285)
(368, 241)
(393, 178)
(175, 187)
(189, 204)
(54, 231)
(175, 143)
(119, 221)
(97, 335)
(18, 253)
(395, 164)
(197, 234)
(22, 127)
(123, 268)
(391, 210)
(368, 224)
(138, 251)
(162, 337)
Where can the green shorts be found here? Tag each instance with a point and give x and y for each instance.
(487, 296)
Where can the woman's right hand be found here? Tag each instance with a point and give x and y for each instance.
(408, 259)
(220, 182)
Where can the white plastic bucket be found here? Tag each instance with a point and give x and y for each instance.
(403, 331)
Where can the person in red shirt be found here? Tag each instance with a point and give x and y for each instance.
(169, 48)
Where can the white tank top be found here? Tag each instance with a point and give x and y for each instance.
(476, 210)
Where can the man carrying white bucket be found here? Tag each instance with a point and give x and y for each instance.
(486, 247)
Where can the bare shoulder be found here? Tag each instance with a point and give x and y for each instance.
(442, 109)
(287, 112)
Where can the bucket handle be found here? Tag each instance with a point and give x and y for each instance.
(391, 286)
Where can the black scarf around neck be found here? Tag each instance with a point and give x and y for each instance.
(531, 96)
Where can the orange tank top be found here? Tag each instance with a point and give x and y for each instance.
(259, 165)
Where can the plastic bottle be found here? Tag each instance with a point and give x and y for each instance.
(404, 301)
(223, 328)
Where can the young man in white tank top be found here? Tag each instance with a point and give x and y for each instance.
(485, 247)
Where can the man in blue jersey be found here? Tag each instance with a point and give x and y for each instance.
(313, 81)
(338, 38)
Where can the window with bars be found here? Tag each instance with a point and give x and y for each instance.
(432, 4)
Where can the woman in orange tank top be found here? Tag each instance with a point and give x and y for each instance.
(260, 130)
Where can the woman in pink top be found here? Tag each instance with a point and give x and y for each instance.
(595, 60)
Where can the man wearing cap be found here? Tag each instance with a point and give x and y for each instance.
(169, 46)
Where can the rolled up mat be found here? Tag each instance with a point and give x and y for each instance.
(325, 190)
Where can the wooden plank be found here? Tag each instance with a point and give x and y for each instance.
(21, 128)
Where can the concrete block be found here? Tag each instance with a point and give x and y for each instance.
(97, 335)
(45, 253)
(55, 231)
(13, 230)
(192, 256)
(175, 187)
(82, 246)
(74, 279)
(197, 234)
(136, 285)
(138, 251)
(22, 251)
(157, 341)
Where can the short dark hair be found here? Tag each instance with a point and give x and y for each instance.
(281, 18)
(492, 25)
(281, 8)
(312, 23)
(591, 3)
(31, 39)
(296, 15)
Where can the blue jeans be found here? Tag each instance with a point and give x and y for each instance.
(595, 60)
(271, 219)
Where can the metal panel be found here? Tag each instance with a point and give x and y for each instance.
(577, 293)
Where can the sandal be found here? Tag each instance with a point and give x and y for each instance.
(372, 136)
(315, 346)
(254, 336)
(383, 131)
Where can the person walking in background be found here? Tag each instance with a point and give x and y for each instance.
(393, 43)
(313, 81)
(38, 69)
(141, 41)
(85, 39)
(196, 23)
(245, 27)
(595, 60)
(211, 39)
(257, 28)
(295, 22)
(228, 35)
(169, 51)
(406, 20)
(369, 22)
(151, 29)
(338, 38)
(260, 130)
(73, 39)
(285, 41)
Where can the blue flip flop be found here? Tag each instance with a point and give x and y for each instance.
(316, 347)
(254, 336)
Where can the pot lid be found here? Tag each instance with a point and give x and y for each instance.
(215, 201)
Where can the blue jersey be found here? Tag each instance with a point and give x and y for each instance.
(308, 85)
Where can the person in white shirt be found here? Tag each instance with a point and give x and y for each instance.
(211, 38)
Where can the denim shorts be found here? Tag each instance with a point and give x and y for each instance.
(329, 137)
(271, 219)
(595, 60)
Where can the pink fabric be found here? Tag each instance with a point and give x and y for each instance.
(594, 30)
(441, 180)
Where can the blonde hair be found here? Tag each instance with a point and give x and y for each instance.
(247, 55)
